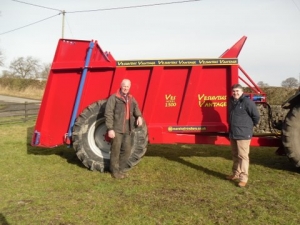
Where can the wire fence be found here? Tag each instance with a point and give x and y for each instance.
(18, 112)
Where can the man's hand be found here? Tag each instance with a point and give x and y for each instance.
(111, 133)
(139, 121)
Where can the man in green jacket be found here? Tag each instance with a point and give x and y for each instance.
(122, 114)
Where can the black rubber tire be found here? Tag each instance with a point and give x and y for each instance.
(291, 135)
(91, 146)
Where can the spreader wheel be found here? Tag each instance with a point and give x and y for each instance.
(291, 135)
(92, 145)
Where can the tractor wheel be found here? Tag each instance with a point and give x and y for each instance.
(92, 145)
(291, 135)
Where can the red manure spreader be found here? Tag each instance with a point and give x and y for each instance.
(182, 101)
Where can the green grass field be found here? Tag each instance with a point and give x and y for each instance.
(173, 184)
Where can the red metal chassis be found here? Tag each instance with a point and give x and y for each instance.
(182, 100)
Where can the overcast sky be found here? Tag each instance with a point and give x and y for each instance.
(199, 29)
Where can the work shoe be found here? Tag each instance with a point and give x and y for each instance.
(242, 184)
(232, 177)
(117, 175)
(124, 174)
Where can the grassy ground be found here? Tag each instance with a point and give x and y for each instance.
(173, 184)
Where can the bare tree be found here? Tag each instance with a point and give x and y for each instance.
(6, 73)
(1, 58)
(45, 71)
(290, 82)
(25, 67)
(1, 55)
(262, 84)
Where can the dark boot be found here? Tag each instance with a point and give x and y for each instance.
(118, 175)
(124, 174)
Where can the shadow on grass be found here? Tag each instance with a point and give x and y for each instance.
(267, 157)
(3, 220)
(177, 153)
(63, 151)
(263, 156)
(199, 167)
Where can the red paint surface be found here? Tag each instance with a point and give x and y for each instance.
(181, 102)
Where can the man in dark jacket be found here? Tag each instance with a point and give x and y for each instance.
(121, 115)
(243, 116)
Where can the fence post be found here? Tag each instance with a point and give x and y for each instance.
(25, 111)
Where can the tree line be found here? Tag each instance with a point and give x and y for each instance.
(26, 68)
(290, 82)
